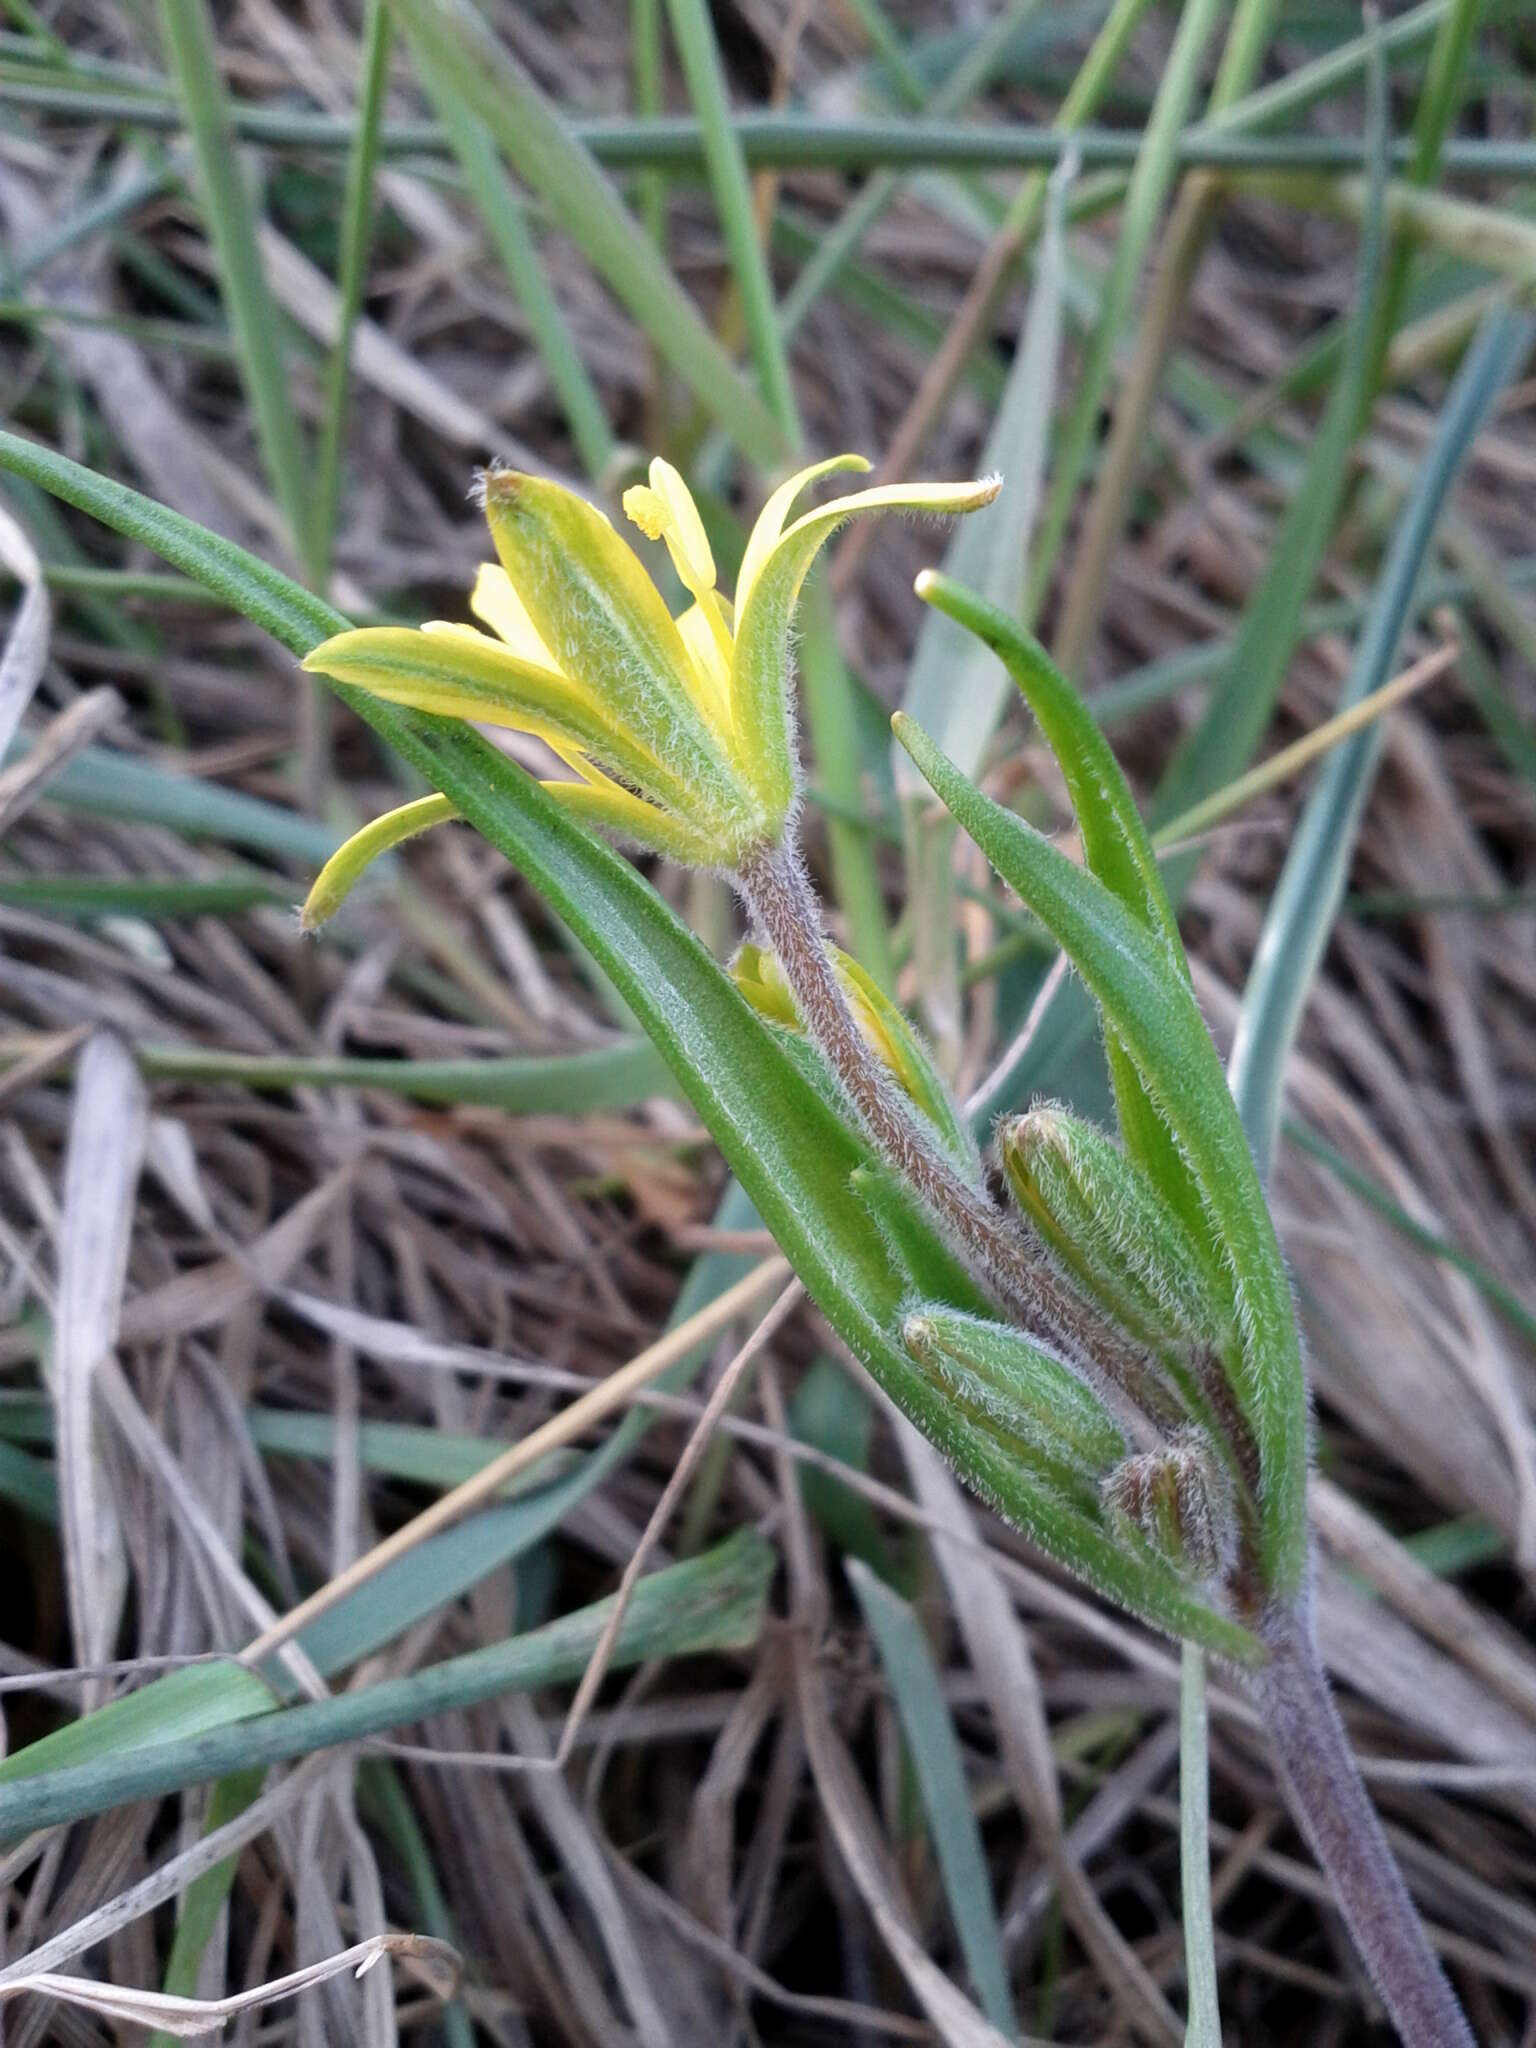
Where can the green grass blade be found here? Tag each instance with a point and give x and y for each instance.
(205, 1896)
(109, 785)
(85, 896)
(190, 44)
(501, 212)
(935, 1752)
(962, 82)
(541, 147)
(383, 1799)
(1223, 742)
(177, 1708)
(714, 1602)
(1311, 885)
(553, 1084)
(694, 34)
(1204, 2028)
(356, 234)
(1156, 164)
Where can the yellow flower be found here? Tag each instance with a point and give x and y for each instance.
(892, 1040)
(677, 731)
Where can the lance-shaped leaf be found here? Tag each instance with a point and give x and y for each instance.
(1149, 1009)
(1116, 848)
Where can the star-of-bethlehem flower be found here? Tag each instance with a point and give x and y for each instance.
(677, 731)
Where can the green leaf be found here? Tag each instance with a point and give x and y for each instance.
(1115, 846)
(488, 79)
(1150, 1009)
(935, 1753)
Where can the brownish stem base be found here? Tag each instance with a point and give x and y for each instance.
(1328, 1798)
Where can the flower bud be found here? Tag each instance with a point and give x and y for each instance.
(1178, 1499)
(1018, 1388)
(886, 1032)
(1105, 1221)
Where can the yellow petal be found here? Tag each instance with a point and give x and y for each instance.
(348, 864)
(764, 615)
(708, 641)
(770, 521)
(601, 802)
(602, 616)
(455, 671)
(495, 601)
(666, 511)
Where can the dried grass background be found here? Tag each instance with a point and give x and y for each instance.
(733, 1853)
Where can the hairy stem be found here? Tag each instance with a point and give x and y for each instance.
(1331, 1805)
(774, 885)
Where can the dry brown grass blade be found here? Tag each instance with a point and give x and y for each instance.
(999, 1654)
(108, 1127)
(433, 1963)
(677, 1483)
(53, 748)
(25, 653)
(554, 1435)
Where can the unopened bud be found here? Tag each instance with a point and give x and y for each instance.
(1103, 1218)
(1179, 1500)
(1019, 1389)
